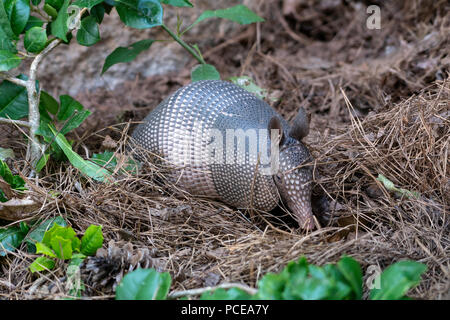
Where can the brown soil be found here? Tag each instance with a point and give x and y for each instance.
(379, 101)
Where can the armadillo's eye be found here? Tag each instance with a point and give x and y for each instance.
(278, 178)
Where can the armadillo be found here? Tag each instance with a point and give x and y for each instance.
(227, 144)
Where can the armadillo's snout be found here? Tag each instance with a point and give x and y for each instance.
(294, 182)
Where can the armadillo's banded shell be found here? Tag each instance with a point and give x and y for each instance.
(179, 130)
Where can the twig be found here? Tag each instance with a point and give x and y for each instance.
(15, 122)
(7, 77)
(36, 148)
(184, 45)
(195, 292)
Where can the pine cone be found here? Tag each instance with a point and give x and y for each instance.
(103, 272)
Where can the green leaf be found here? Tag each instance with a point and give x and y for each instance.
(35, 39)
(88, 34)
(140, 14)
(126, 54)
(87, 3)
(39, 230)
(240, 14)
(36, 2)
(52, 12)
(91, 240)
(68, 107)
(13, 100)
(248, 84)
(178, 3)
(48, 102)
(42, 264)
(204, 72)
(5, 25)
(222, 294)
(57, 4)
(61, 246)
(42, 248)
(8, 60)
(6, 153)
(98, 12)
(351, 270)
(88, 168)
(56, 230)
(271, 286)
(42, 162)
(72, 112)
(18, 12)
(397, 279)
(15, 181)
(33, 22)
(59, 27)
(10, 239)
(105, 159)
(144, 284)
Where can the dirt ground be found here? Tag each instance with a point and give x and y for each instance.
(379, 104)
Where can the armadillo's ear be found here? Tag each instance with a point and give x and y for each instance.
(275, 124)
(300, 125)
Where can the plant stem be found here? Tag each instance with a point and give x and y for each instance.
(36, 149)
(195, 292)
(15, 122)
(184, 44)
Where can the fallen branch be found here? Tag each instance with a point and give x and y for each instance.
(199, 291)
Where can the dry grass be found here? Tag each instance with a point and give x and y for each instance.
(200, 241)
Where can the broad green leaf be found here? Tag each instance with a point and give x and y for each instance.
(105, 159)
(61, 246)
(75, 121)
(18, 12)
(240, 14)
(144, 284)
(230, 294)
(8, 60)
(178, 3)
(56, 230)
(42, 248)
(6, 153)
(91, 240)
(48, 102)
(86, 3)
(88, 168)
(36, 2)
(42, 264)
(126, 54)
(33, 22)
(98, 12)
(35, 39)
(10, 239)
(88, 34)
(397, 279)
(59, 27)
(57, 4)
(140, 14)
(38, 231)
(6, 32)
(13, 100)
(72, 112)
(68, 107)
(204, 72)
(52, 12)
(15, 181)
(351, 270)
(271, 286)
